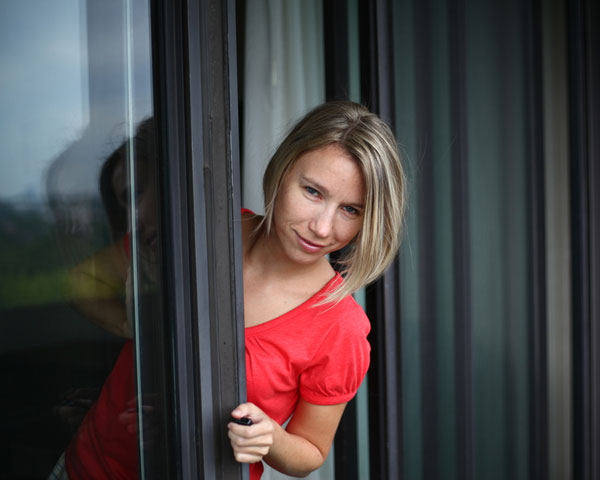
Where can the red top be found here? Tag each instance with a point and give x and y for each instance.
(102, 448)
(319, 353)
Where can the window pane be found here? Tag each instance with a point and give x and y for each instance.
(77, 276)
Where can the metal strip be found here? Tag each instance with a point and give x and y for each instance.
(461, 240)
(203, 345)
(170, 120)
(385, 385)
(337, 81)
(592, 16)
(235, 196)
(538, 351)
(335, 33)
(582, 409)
(223, 224)
(584, 78)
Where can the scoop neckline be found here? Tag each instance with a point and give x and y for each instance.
(284, 317)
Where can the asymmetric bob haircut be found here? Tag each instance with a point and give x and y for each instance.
(371, 143)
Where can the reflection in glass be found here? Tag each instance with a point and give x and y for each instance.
(77, 83)
(102, 288)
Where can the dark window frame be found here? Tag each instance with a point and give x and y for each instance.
(383, 305)
(584, 137)
(194, 55)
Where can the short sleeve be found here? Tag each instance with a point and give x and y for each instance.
(341, 362)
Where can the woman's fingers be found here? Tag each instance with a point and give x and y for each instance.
(243, 457)
(250, 411)
(257, 429)
(252, 449)
(243, 439)
(250, 443)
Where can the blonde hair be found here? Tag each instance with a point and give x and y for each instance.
(371, 143)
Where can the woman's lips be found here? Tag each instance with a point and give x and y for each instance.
(309, 246)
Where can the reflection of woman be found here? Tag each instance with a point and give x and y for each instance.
(96, 286)
(336, 182)
(105, 445)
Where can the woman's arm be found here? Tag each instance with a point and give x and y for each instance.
(297, 450)
(96, 287)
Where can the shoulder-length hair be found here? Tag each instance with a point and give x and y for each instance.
(371, 143)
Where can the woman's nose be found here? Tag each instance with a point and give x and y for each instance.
(322, 223)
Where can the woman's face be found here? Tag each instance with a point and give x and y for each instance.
(320, 205)
(145, 199)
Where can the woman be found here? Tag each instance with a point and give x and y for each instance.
(335, 183)
(105, 445)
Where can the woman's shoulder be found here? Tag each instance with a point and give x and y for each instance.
(352, 310)
(346, 313)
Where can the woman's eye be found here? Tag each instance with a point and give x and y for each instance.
(311, 191)
(350, 210)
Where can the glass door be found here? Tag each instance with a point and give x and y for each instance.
(79, 237)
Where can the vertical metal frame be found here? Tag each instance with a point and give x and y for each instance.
(584, 131)
(537, 329)
(335, 33)
(337, 87)
(170, 123)
(580, 243)
(196, 112)
(223, 223)
(593, 182)
(383, 299)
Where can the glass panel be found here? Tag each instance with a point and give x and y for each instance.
(75, 278)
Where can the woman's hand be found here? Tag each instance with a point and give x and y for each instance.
(151, 423)
(298, 450)
(251, 443)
